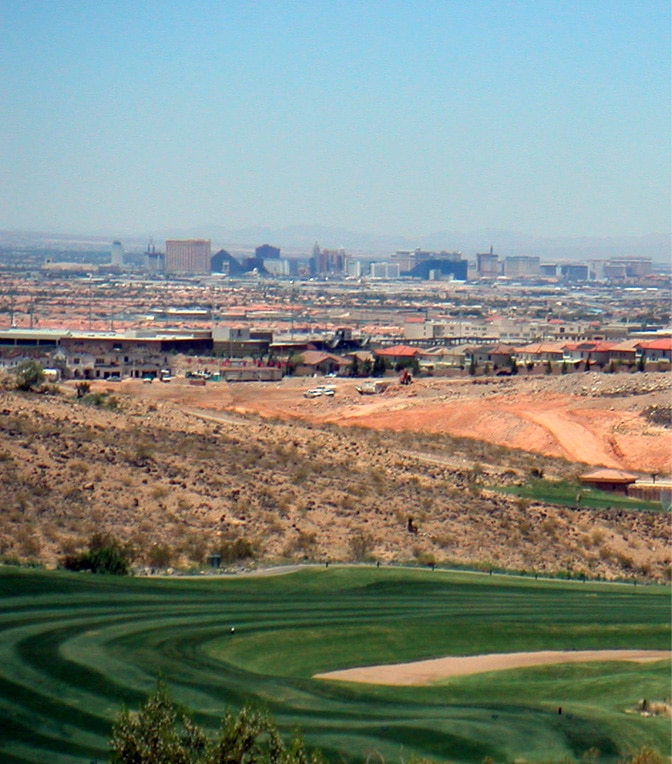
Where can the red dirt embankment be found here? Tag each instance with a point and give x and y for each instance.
(592, 418)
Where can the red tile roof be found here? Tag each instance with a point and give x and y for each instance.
(664, 343)
(399, 351)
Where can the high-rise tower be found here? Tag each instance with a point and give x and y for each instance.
(117, 254)
(188, 256)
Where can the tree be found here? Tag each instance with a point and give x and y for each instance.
(160, 733)
(379, 366)
(163, 733)
(354, 367)
(29, 375)
(473, 368)
(160, 556)
(105, 555)
(292, 362)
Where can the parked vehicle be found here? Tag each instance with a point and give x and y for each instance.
(316, 392)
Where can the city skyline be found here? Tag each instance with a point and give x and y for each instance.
(401, 119)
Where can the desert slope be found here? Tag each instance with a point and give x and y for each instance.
(174, 472)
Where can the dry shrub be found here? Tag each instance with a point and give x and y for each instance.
(360, 544)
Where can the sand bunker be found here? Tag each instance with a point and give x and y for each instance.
(427, 672)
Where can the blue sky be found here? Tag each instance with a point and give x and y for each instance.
(549, 117)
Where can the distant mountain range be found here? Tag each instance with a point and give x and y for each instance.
(299, 239)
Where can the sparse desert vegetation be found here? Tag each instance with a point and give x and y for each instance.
(174, 485)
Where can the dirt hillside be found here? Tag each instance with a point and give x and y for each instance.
(177, 472)
(593, 418)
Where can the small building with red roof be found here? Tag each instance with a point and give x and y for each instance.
(656, 350)
(398, 353)
(616, 481)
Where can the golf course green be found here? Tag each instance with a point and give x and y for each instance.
(75, 648)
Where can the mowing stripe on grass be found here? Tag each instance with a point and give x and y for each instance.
(75, 647)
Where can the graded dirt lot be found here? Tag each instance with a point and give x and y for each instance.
(594, 418)
(428, 672)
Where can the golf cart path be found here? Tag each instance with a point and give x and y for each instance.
(437, 669)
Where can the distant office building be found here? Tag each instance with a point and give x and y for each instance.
(574, 272)
(404, 258)
(418, 257)
(188, 255)
(378, 270)
(548, 270)
(487, 265)
(615, 271)
(521, 266)
(635, 267)
(325, 262)
(353, 268)
(275, 266)
(154, 261)
(117, 254)
(620, 268)
(384, 271)
(267, 252)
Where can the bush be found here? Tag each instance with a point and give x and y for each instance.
(360, 546)
(99, 400)
(233, 551)
(160, 556)
(29, 375)
(163, 733)
(105, 555)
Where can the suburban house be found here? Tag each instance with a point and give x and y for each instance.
(453, 356)
(541, 352)
(598, 352)
(398, 354)
(496, 355)
(625, 352)
(312, 362)
(656, 350)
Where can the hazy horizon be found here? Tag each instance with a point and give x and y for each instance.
(398, 119)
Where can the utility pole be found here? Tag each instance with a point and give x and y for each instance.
(291, 312)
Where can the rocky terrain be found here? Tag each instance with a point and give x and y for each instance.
(177, 472)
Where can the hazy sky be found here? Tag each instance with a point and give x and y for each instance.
(549, 117)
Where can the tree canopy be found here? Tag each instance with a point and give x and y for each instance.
(162, 732)
(29, 375)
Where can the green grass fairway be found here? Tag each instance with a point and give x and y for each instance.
(75, 647)
(566, 494)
